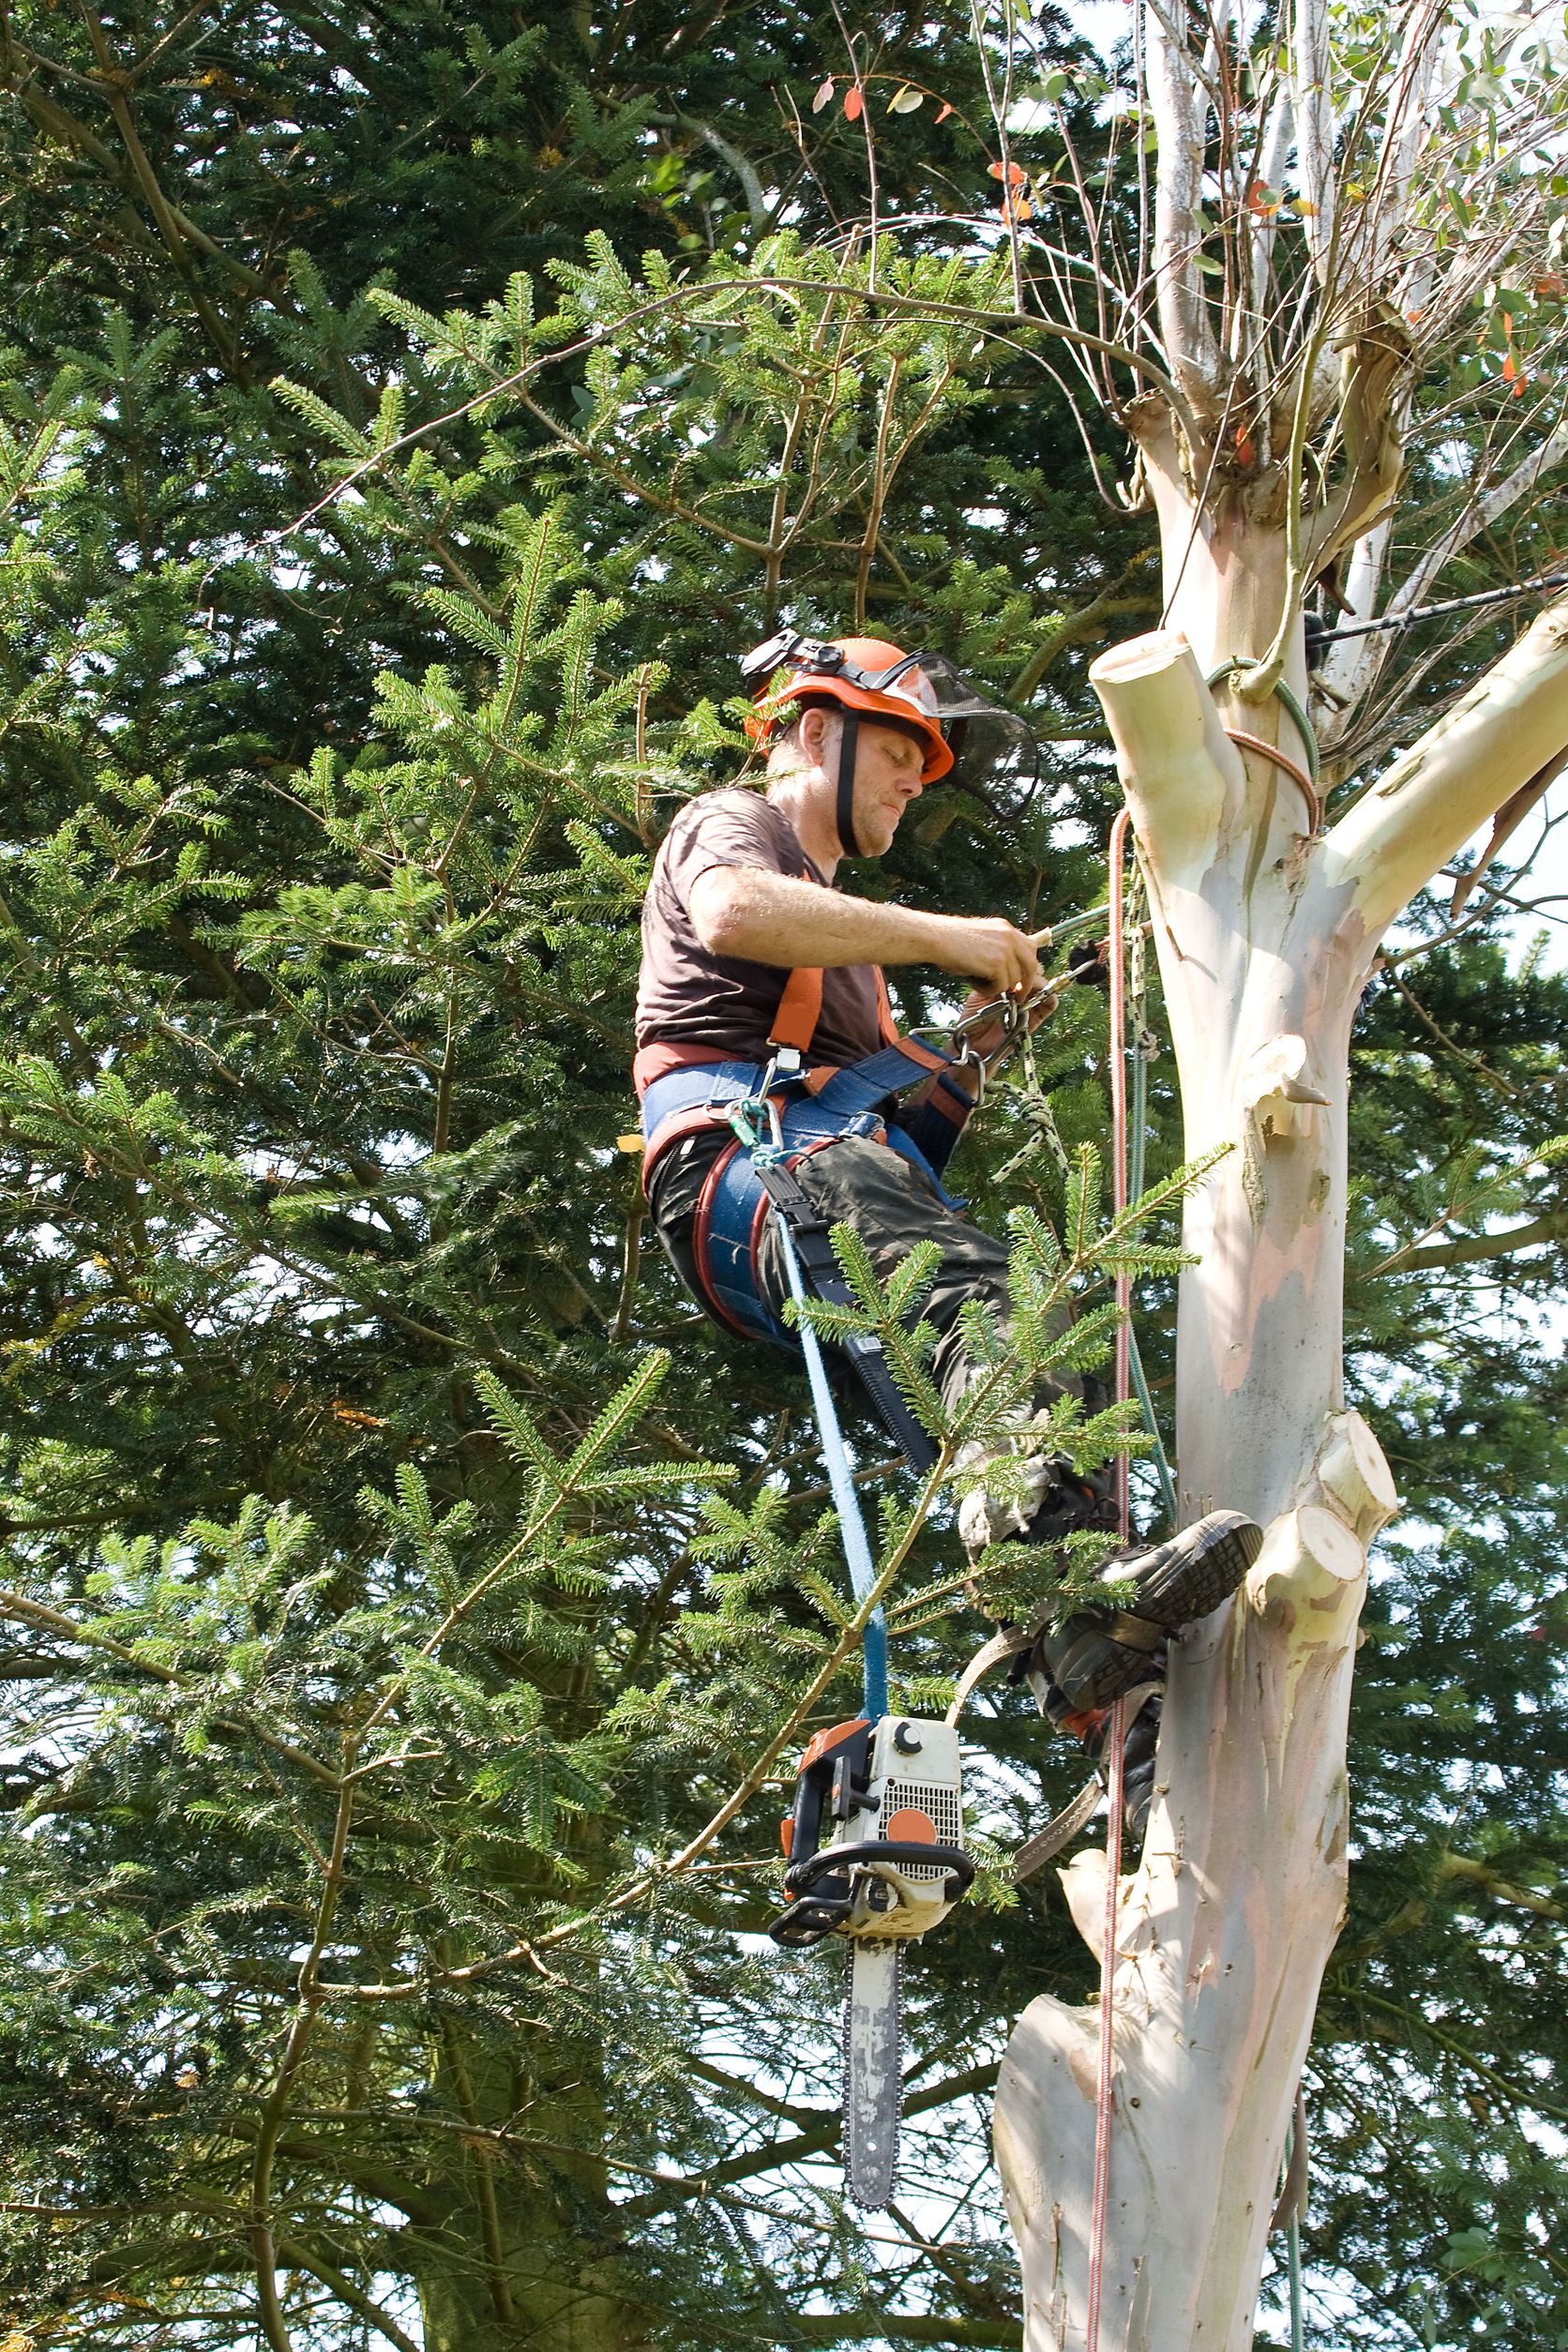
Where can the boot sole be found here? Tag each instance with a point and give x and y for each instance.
(1199, 1568)
(1187, 1580)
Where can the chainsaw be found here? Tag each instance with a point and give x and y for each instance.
(875, 1854)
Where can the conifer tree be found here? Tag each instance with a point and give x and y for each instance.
(403, 1580)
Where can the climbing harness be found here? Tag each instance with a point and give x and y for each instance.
(799, 1108)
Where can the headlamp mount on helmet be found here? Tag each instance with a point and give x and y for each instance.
(970, 741)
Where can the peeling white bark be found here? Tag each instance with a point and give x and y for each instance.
(1512, 723)
(1265, 938)
(1313, 101)
(1177, 104)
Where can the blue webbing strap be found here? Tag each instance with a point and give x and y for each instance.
(857, 1550)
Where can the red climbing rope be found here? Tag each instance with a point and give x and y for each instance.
(1115, 1739)
(1118, 962)
(1116, 1730)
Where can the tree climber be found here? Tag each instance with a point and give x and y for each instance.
(754, 964)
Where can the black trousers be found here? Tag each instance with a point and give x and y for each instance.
(893, 1206)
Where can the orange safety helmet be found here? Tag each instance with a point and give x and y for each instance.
(965, 736)
(862, 672)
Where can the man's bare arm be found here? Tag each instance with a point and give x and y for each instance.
(772, 918)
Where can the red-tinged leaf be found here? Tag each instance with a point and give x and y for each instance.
(854, 104)
(1014, 173)
(946, 110)
(1013, 207)
(1510, 366)
(1247, 449)
(823, 96)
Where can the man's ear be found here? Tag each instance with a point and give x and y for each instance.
(820, 731)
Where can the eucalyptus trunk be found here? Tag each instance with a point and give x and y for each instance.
(1267, 928)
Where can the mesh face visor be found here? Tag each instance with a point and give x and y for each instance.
(995, 755)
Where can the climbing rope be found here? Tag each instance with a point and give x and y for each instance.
(1118, 967)
(1143, 1050)
(1289, 2209)
(1308, 778)
(840, 1478)
(1115, 1750)
(1116, 1730)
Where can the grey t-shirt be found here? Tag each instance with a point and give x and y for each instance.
(685, 995)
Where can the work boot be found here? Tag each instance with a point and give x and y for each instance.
(1138, 1759)
(1090, 1726)
(1097, 1652)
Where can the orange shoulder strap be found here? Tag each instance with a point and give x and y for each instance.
(799, 1010)
(886, 1022)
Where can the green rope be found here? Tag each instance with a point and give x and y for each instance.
(1293, 2250)
(1135, 1361)
(1289, 701)
(1137, 1121)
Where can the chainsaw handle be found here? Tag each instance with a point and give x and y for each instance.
(802, 1877)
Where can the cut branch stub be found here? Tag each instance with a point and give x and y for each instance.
(1353, 1472)
(1178, 767)
(1278, 1088)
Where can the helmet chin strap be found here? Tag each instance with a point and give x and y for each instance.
(845, 817)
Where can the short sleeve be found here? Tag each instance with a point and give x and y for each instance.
(732, 828)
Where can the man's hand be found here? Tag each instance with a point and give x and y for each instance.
(988, 949)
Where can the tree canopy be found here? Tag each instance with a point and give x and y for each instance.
(400, 1573)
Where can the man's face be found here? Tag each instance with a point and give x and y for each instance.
(887, 767)
(886, 778)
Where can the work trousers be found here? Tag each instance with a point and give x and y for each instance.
(893, 1206)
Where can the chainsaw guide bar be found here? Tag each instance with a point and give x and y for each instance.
(875, 1855)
